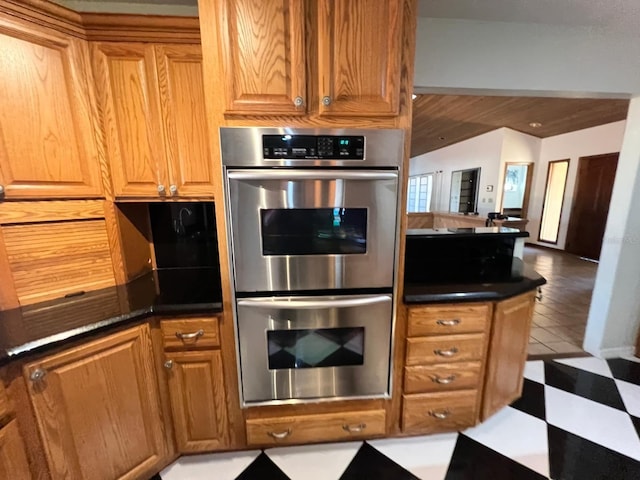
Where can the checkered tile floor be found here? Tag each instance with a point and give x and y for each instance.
(578, 418)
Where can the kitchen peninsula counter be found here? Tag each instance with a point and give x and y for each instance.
(160, 292)
(471, 264)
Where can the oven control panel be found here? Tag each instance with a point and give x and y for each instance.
(292, 147)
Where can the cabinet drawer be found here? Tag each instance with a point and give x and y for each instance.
(451, 348)
(315, 428)
(448, 319)
(442, 377)
(436, 412)
(190, 333)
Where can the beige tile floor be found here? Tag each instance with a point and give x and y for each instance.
(560, 318)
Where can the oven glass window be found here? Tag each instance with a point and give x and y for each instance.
(313, 231)
(314, 348)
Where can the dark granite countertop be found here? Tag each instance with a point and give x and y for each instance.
(162, 292)
(524, 280)
(485, 232)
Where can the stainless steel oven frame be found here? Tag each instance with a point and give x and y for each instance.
(384, 147)
(264, 385)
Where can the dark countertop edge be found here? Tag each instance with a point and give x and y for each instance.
(447, 234)
(53, 340)
(470, 292)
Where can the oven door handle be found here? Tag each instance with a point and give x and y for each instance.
(311, 175)
(319, 302)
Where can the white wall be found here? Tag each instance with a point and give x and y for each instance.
(483, 151)
(184, 8)
(555, 59)
(582, 143)
(490, 152)
(614, 317)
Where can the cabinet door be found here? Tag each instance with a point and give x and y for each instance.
(184, 120)
(507, 353)
(47, 142)
(126, 79)
(13, 459)
(263, 54)
(198, 400)
(359, 50)
(97, 408)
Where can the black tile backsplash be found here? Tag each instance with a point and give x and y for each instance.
(184, 235)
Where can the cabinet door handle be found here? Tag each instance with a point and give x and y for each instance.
(440, 414)
(173, 189)
(449, 323)
(168, 364)
(446, 353)
(298, 101)
(326, 100)
(160, 189)
(443, 380)
(280, 435)
(38, 374)
(190, 336)
(354, 428)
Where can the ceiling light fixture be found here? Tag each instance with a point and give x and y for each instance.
(535, 124)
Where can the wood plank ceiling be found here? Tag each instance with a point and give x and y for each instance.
(441, 120)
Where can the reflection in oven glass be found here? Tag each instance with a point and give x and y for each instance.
(313, 231)
(314, 348)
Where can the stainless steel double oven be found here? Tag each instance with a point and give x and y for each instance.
(313, 227)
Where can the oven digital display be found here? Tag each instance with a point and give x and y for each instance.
(315, 348)
(313, 231)
(311, 147)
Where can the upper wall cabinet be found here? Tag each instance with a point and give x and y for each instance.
(47, 137)
(359, 48)
(355, 59)
(263, 56)
(152, 112)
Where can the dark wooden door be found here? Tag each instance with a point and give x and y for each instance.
(594, 184)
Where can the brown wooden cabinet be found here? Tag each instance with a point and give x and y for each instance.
(97, 408)
(359, 46)
(48, 144)
(444, 366)
(53, 248)
(354, 50)
(264, 56)
(507, 352)
(152, 113)
(13, 459)
(196, 383)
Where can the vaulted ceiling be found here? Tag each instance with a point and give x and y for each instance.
(441, 120)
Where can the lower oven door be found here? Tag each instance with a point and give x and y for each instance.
(338, 224)
(314, 347)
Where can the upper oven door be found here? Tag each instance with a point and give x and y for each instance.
(312, 229)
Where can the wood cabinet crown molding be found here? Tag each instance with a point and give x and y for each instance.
(105, 26)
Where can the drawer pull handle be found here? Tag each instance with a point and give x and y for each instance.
(443, 380)
(280, 435)
(446, 353)
(354, 428)
(449, 323)
(440, 415)
(190, 336)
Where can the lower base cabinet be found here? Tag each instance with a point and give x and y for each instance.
(439, 412)
(97, 409)
(197, 394)
(13, 460)
(327, 427)
(507, 353)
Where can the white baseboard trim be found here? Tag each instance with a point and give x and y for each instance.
(614, 352)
